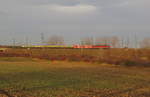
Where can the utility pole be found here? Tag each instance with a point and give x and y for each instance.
(128, 42)
(122, 42)
(27, 41)
(42, 38)
(14, 42)
(136, 41)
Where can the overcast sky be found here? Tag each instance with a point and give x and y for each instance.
(72, 19)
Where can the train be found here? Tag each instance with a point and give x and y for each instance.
(71, 47)
(62, 46)
(92, 46)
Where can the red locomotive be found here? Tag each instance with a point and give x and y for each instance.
(92, 46)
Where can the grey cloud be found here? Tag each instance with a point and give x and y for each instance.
(74, 2)
(31, 17)
(45, 2)
(3, 13)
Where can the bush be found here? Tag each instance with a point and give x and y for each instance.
(127, 57)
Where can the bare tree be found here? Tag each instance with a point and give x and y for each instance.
(55, 40)
(87, 41)
(145, 43)
(102, 40)
(114, 41)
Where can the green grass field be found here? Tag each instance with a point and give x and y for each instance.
(25, 77)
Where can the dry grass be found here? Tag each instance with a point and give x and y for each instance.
(128, 57)
(40, 78)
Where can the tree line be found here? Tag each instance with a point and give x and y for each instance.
(113, 41)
